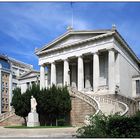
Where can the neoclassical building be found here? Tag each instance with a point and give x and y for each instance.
(94, 62)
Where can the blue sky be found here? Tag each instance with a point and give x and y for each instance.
(25, 26)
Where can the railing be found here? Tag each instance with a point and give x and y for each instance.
(124, 108)
(90, 100)
(6, 115)
(86, 98)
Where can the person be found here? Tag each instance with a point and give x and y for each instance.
(33, 104)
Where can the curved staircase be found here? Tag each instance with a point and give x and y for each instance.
(89, 100)
(110, 106)
(101, 104)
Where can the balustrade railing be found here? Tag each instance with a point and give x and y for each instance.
(93, 102)
(123, 107)
(6, 115)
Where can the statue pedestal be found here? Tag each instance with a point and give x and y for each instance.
(33, 119)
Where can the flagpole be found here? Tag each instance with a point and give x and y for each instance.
(72, 14)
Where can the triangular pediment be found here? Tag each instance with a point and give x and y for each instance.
(29, 74)
(72, 37)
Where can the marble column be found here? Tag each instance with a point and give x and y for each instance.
(87, 75)
(73, 75)
(80, 73)
(66, 73)
(42, 76)
(49, 75)
(95, 71)
(111, 70)
(117, 69)
(53, 73)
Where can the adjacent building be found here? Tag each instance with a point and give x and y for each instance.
(10, 71)
(18, 68)
(26, 80)
(5, 84)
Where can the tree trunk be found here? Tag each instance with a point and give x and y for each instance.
(25, 121)
(56, 123)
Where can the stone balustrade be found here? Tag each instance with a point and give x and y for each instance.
(6, 115)
(120, 105)
(88, 99)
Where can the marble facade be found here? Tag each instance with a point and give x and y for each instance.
(89, 61)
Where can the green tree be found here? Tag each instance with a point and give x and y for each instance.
(20, 103)
(52, 103)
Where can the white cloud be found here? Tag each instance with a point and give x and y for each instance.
(32, 20)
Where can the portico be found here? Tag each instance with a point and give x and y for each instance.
(86, 72)
(87, 61)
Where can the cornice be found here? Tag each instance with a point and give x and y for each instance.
(127, 47)
(71, 33)
(77, 43)
(33, 71)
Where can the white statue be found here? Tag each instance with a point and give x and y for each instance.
(33, 104)
(33, 119)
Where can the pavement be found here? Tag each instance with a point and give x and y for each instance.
(68, 132)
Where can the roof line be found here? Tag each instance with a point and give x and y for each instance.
(17, 61)
(28, 73)
(52, 42)
(71, 32)
(78, 42)
(127, 46)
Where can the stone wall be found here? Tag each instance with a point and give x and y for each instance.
(79, 110)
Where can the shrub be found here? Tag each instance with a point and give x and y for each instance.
(113, 126)
(96, 129)
(61, 122)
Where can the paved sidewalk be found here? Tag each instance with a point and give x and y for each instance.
(38, 133)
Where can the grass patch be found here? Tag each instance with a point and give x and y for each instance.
(25, 127)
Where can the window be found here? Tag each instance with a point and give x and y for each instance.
(6, 84)
(2, 84)
(14, 76)
(14, 85)
(137, 87)
(6, 91)
(32, 82)
(28, 84)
